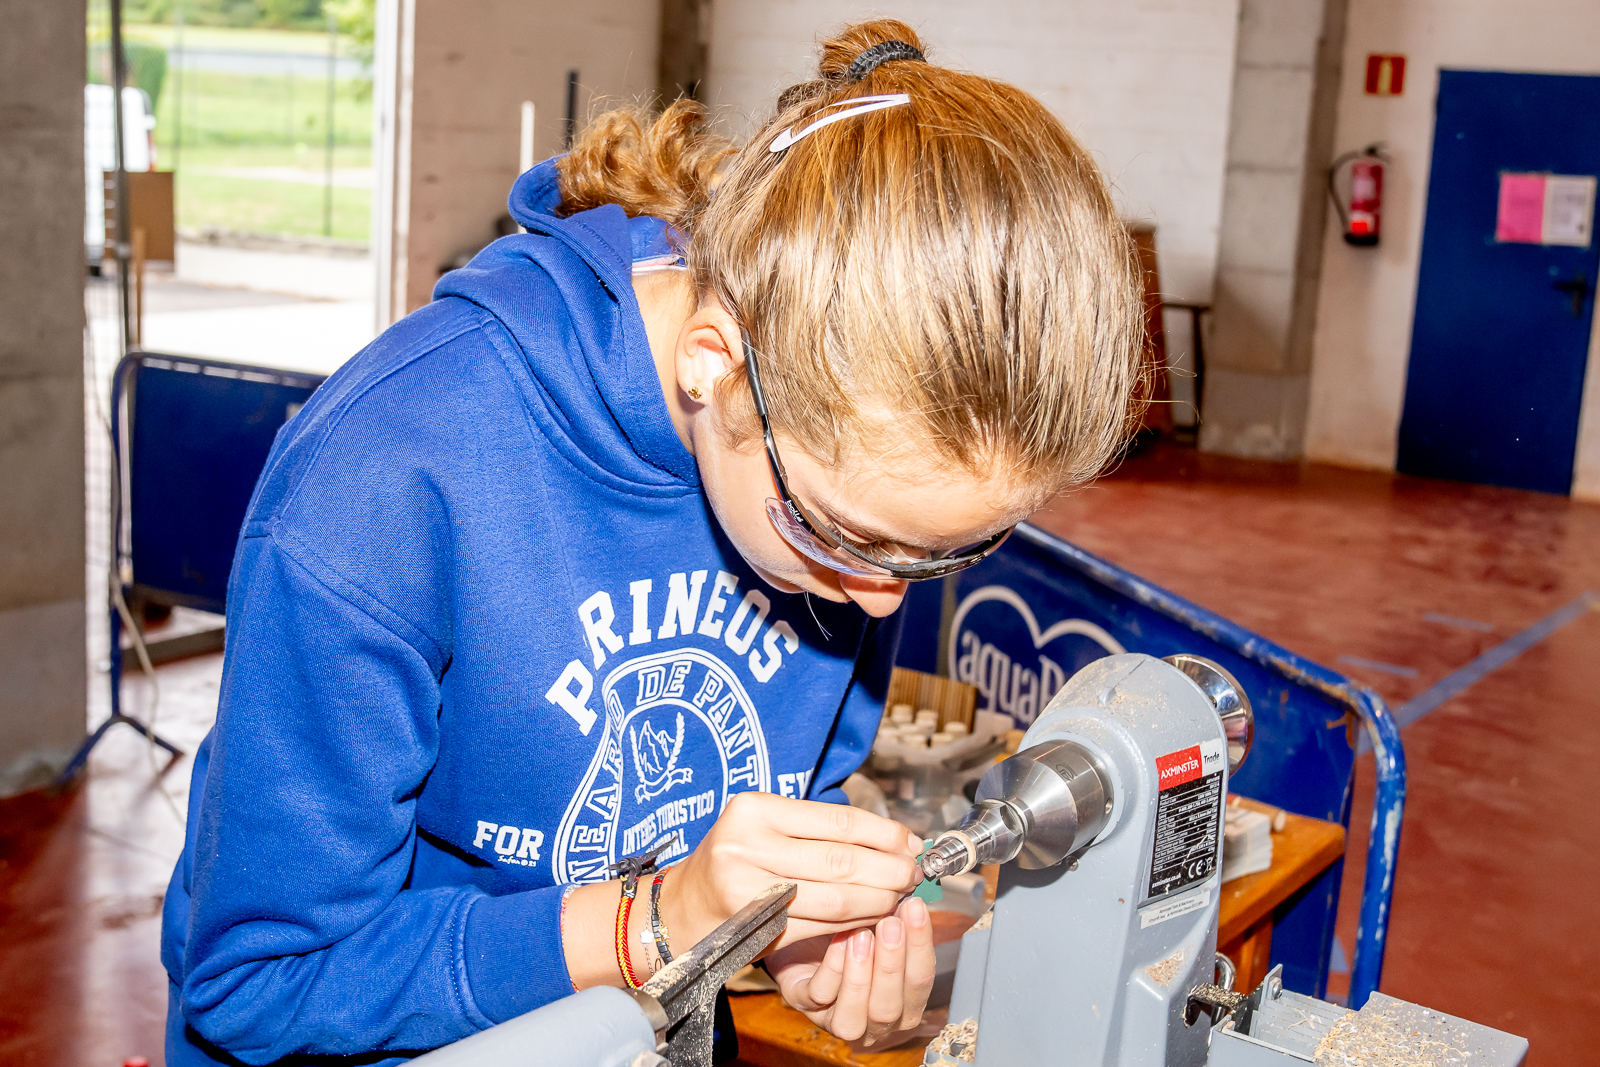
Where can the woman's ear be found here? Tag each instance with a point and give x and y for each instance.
(709, 346)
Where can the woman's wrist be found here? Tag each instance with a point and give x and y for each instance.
(676, 913)
(641, 937)
(589, 935)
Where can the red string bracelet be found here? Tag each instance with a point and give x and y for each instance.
(631, 868)
(624, 958)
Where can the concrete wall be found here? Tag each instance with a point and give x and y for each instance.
(42, 668)
(1258, 358)
(455, 74)
(1144, 84)
(1363, 335)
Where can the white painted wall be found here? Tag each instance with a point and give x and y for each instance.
(459, 71)
(1144, 84)
(1364, 316)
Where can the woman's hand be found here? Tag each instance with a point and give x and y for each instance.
(851, 866)
(863, 985)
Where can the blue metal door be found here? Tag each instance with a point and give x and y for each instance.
(1500, 338)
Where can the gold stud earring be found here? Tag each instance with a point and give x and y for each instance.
(694, 392)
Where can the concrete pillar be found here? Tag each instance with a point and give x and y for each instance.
(1280, 142)
(42, 640)
(685, 33)
(450, 80)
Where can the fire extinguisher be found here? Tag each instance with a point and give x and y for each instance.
(1361, 216)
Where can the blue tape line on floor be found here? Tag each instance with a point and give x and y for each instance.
(1456, 681)
(1379, 665)
(1457, 621)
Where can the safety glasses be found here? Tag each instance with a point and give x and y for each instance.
(821, 543)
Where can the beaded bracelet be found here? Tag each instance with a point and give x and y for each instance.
(657, 927)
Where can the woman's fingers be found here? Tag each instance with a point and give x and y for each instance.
(797, 859)
(816, 821)
(920, 962)
(834, 861)
(821, 907)
(850, 1008)
(822, 990)
(886, 1002)
(851, 866)
(845, 903)
(802, 930)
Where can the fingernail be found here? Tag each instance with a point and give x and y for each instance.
(861, 945)
(890, 932)
(916, 911)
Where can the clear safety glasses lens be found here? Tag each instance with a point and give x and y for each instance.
(790, 529)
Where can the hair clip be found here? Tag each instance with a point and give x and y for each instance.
(859, 105)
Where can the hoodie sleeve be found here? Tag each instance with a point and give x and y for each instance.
(300, 856)
(860, 711)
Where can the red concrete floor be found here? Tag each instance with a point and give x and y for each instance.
(82, 878)
(1494, 915)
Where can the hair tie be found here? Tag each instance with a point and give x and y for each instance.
(878, 55)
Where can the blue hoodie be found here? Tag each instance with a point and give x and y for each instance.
(485, 638)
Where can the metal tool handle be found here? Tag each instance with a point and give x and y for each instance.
(680, 998)
(1225, 972)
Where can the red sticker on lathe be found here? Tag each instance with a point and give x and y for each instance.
(1175, 768)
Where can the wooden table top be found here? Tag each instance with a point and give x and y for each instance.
(772, 1034)
(1301, 851)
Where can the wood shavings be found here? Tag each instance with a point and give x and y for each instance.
(957, 1042)
(985, 920)
(1383, 1039)
(1164, 972)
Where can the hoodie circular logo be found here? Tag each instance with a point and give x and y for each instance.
(681, 736)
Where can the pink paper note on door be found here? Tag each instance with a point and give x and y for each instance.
(1521, 215)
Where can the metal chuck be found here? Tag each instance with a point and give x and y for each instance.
(1039, 807)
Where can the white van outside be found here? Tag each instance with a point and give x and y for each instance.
(100, 153)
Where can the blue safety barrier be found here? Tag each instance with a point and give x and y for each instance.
(195, 438)
(1019, 624)
(199, 435)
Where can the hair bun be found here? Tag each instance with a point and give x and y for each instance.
(855, 51)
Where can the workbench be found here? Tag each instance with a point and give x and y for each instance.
(772, 1034)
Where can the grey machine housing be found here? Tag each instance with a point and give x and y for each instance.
(1080, 962)
(1101, 946)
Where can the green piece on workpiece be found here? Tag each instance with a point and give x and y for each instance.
(928, 890)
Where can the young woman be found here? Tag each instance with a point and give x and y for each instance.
(598, 555)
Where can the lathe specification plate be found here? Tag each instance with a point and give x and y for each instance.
(1188, 818)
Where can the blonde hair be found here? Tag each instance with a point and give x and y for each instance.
(957, 261)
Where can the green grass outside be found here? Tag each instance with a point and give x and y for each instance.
(261, 109)
(206, 198)
(235, 121)
(232, 40)
(268, 207)
(308, 157)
